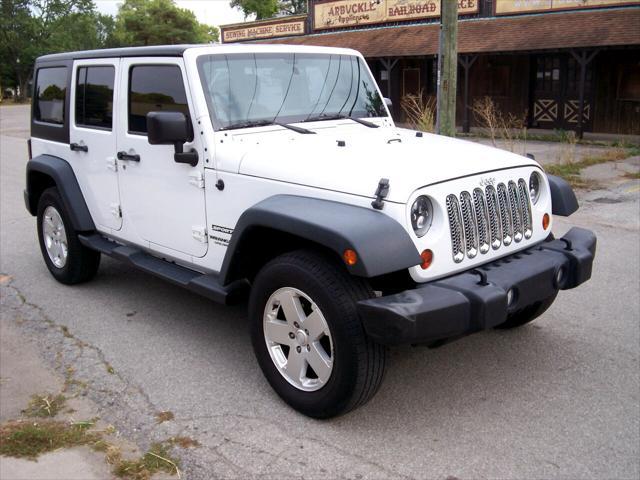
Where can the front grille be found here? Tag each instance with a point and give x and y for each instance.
(489, 218)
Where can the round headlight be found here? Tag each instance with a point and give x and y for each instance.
(421, 215)
(534, 187)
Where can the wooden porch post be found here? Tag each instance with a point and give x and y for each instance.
(466, 61)
(388, 64)
(583, 58)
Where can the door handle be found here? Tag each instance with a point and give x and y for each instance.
(128, 156)
(76, 147)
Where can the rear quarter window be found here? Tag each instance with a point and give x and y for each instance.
(94, 97)
(50, 94)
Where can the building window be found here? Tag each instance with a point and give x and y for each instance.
(629, 82)
(94, 96)
(548, 75)
(49, 95)
(154, 88)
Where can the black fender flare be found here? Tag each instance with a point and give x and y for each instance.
(381, 243)
(563, 199)
(65, 180)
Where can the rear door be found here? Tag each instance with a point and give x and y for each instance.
(92, 138)
(162, 201)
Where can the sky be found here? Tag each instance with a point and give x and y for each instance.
(211, 12)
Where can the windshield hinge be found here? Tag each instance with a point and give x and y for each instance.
(381, 193)
(196, 179)
(199, 233)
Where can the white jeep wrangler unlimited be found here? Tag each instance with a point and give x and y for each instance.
(276, 173)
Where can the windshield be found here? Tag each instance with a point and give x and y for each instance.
(263, 88)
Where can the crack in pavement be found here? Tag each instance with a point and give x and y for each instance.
(227, 449)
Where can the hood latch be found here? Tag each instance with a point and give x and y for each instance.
(381, 193)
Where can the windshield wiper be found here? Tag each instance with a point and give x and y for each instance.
(247, 124)
(341, 117)
(306, 131)
(264, 123)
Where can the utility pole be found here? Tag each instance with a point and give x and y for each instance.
(447, 68)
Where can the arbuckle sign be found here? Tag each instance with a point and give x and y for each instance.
(348, 13)
(254, 30)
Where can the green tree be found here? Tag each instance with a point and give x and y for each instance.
(30, 28)
(293, 7)
(260, 8)
(158, 22)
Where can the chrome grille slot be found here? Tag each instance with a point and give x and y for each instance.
(455, 225)
(469, 222)
(482, 220)
(489, 219)
(505, 214)
(494, 218)
(516, 214)
(525, 208)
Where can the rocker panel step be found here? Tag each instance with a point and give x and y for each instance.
(205, 284)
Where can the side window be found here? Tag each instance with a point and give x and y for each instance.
(94, 96)
(154, 88)
(49, 95)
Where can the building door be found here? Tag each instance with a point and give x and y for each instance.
(556, 93)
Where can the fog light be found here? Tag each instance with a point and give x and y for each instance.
(427, 258)
(559, 277)
(511, 297)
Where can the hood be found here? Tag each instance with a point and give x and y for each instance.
(352, 158)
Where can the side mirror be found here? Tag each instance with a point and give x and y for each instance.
(388, 103)
(171, 128)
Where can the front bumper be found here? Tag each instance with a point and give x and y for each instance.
(477, 299)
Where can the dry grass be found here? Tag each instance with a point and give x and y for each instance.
(164, 416)
(47, 405)
(570, 169)
(28, 439)
(421, 113)
(157, 459)
(506, 127)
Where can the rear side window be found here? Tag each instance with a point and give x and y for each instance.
(154, 88)
(49, 95)
(94, 96)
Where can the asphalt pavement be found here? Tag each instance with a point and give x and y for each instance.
(559, 398)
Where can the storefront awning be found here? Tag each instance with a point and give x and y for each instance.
(603, 28)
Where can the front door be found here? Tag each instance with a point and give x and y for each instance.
(556, 93)
(92, 139)
(163, 202)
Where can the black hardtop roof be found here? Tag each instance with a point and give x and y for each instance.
(154, 51)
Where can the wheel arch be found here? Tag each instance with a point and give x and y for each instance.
(286, 222)
(45, 171)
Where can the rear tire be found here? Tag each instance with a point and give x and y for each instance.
(527, 314)
(67, 259)
(323, 293)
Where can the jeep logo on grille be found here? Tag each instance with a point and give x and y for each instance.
(485, 182)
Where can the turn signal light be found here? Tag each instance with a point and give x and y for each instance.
(350, 257)
(546, 219)
(427, 258)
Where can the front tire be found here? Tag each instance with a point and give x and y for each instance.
(308, 338)
(67, 259)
